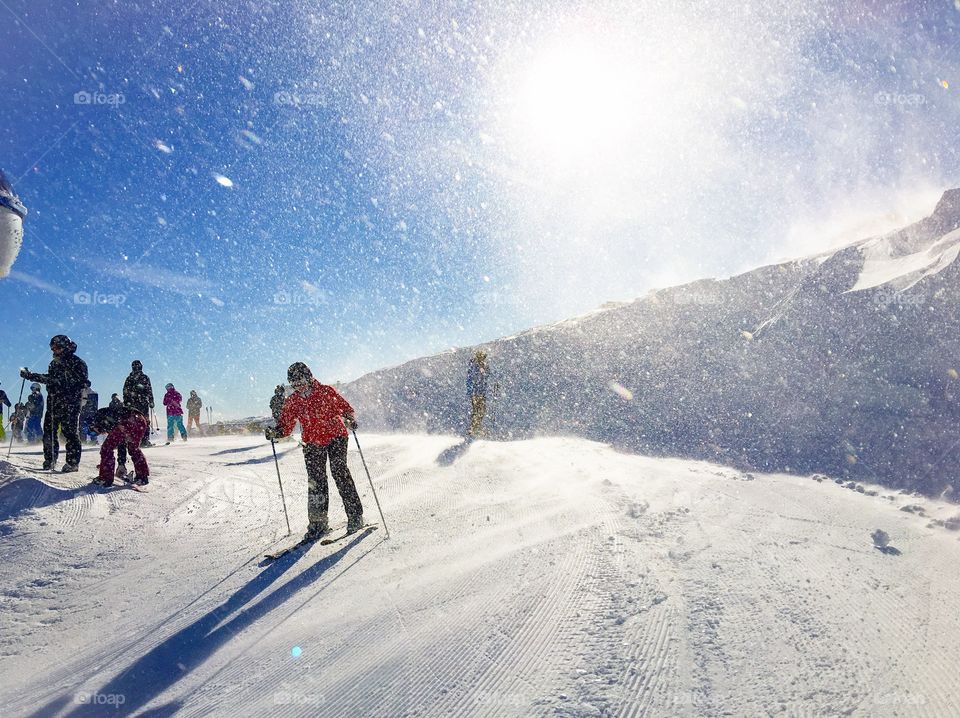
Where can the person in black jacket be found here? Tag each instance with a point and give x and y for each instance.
(194, 404)
(4, 401)
(138, 394)
(88, 409)
(65, 379)
(18, 421)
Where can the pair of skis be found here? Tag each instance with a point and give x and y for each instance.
(139, 488)
(121, 483)
(307, 542)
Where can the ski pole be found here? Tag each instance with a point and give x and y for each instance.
(19, 401)
(276, 462)
(386, 530)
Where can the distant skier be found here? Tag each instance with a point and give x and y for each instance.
(478, 374)
(4, 401)
(33, 429)
(12, 214)
(18, 421)
(88, 409)
(324, 416)
(124, 427)
(138, 394)
(115, 402)
(65, 379)
(172, 400)
(194, 404)
(276, 403)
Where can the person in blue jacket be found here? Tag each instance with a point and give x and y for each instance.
(33, 430)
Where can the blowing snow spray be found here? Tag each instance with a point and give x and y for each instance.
(12, 213)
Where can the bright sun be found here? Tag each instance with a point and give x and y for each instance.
(577, 98)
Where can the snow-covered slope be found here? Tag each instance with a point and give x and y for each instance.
(544, 577)
(845, 363)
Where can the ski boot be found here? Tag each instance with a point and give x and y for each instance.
(354, 524)
(317, 530)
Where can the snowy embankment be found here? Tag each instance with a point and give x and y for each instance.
(541, 577)
(845, 363)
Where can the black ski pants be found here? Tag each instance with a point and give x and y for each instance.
(65, 418)
(318, 493)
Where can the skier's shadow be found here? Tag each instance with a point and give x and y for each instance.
(236, 451)
(452, 453)
(161, 667)
(264, 459)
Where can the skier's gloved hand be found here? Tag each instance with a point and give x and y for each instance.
(25, 373)
(271, 433)
(351, 422)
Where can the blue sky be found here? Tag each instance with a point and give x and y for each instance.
(358, 184)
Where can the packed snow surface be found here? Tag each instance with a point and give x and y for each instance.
(551, 576)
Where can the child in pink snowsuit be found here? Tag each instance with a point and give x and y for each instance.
(122, 426)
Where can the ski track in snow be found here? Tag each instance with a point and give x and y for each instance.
(550, 577)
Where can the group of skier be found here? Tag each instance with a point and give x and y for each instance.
(26, 418)
(72, 409)
(325, 417)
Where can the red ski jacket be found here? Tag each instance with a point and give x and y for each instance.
(320, 412)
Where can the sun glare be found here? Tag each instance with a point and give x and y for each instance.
(577, 98)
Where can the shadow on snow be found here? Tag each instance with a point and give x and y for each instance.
(187, 649)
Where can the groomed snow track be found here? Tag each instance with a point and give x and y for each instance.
(552, 577)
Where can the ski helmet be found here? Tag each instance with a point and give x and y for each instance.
(299, 373)
(34, 387)
(63, 342)
(136, 365)
(168, 386)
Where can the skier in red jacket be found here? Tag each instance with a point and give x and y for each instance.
(324, 416)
